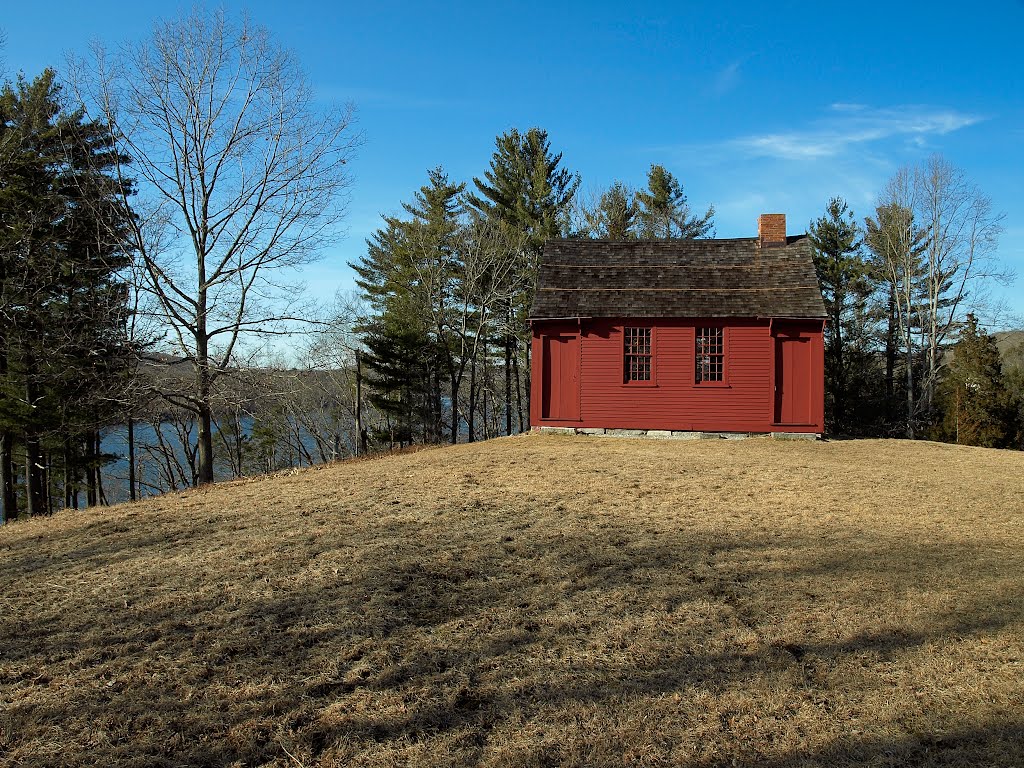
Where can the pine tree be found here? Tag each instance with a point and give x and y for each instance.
(978, 409)
(897, 245)
(64, 349)
(435, 282)
(396, 326)
(613, 217)
(844, 277)
(433, 239)
(664, 213)
(1013, 377)
(408, 276)
(526, 191)
(525, 188)
(400, 376)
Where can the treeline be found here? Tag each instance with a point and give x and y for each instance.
(266, 419)
(448, 285)
(905, 354)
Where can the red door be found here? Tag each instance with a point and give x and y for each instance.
(792, 381)
(560, 385)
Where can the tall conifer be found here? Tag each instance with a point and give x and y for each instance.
(845, 278)
(63, 346)
(526, 190)
(664, 213)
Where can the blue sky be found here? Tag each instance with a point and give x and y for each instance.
(755, 107)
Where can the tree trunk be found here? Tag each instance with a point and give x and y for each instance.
(47, 482)
(838, 366)
(35, 496)
(508, 384)
(438, 409)
(455, 407)
(360, 432)
(91, 496)
(131, 458)
(471, 421)
(67, 473)
(70, 476)
(486, 425)
(204, 444)
(527, 375)
(890, 356)
(34, 477)
(519, 391)
(101, 495)
(910, 384)
(10, 494)
(204, 439)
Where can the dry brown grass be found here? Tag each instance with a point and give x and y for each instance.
(533, 601)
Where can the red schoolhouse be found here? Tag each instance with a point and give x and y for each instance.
(722, 335)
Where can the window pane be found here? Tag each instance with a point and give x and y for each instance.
(709, 354)
(637, 351)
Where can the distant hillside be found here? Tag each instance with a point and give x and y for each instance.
(533, 601)
(1011, 346)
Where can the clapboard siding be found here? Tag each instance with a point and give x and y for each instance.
(673, 401)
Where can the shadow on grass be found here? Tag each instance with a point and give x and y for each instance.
(464, 637)
(111, 542)
(995, 744)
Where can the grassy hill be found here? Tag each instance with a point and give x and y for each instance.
(533, 601)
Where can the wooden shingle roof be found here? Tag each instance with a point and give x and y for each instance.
(677, 278)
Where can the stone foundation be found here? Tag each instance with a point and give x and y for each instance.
(664, 434)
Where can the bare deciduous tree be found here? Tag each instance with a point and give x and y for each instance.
(896, 243)
(465, 291)
(935, 237)
(962, 233)
(241, 177)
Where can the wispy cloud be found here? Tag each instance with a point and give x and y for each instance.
(852, 125)
(727, 78)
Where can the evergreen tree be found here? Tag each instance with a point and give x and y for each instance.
(63, 349)
(433, 238)
(1013, 377)
(396, 326)
(408, 276)
(664, 213)
(846, 284)
(524, 187)
(978, 409)
(434, 281)
(614, 215)
(400, 375)
(526, 191)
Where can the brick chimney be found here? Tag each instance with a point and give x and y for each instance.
(771, 229)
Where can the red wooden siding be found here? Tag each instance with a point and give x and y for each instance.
(759, 355)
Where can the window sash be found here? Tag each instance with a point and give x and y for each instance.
(637, 360)
(709, 354)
